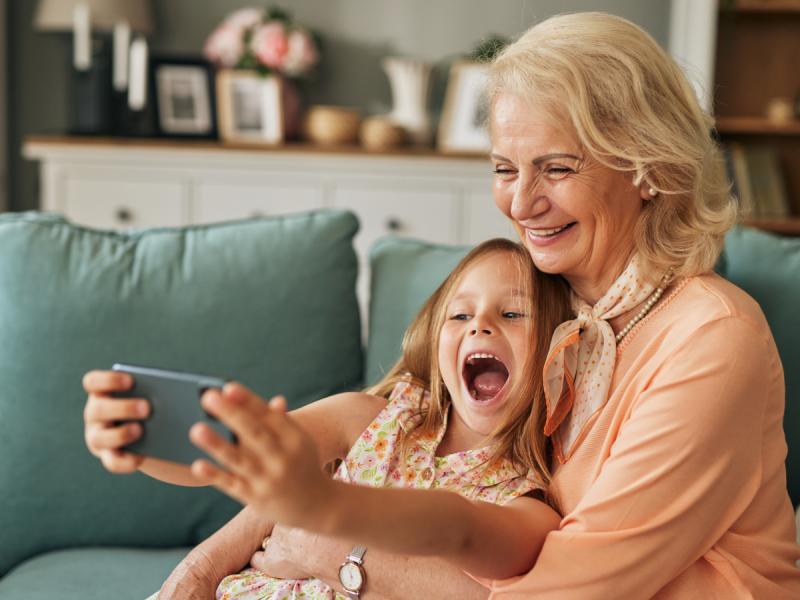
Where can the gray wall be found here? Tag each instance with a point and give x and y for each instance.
(356, 35)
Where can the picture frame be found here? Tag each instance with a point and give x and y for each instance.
(250, 107)
(462, 128)
(184, 97)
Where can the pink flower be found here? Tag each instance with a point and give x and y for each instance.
(245, 18)
(225, 45)
(270, 44)
(302, 53)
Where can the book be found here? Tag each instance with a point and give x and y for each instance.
(757, 180)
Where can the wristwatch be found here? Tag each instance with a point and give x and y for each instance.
(352, 575)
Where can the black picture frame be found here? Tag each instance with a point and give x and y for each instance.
(184, 97)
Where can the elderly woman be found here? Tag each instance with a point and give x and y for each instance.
(665, 393)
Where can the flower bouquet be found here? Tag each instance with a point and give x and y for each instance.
(265, 40)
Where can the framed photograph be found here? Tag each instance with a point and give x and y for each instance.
(463, 126)
(250, 107)
(184, 97)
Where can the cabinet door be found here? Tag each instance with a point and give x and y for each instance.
(425, 213)
(122, 203)
(482, 219)
(223, 201)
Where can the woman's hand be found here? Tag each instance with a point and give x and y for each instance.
(104, 437)
(273, 467)
(194, 577)
(286, 555)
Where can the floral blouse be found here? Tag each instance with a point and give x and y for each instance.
(375, 460)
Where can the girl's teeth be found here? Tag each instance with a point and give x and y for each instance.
(471, 358)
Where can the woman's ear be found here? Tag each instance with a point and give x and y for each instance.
(647, 192)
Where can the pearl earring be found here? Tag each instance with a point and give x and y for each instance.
(652, 191)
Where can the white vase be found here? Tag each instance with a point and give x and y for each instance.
(409, 80)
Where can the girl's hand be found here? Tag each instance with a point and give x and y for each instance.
(274, 467)
(104, 436)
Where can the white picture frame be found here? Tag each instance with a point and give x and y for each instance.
(463, 128)
(183, 99)
(250, 107)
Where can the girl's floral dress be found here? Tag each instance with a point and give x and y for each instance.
(375, 460)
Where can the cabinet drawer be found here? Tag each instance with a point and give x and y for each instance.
(115, 204)
(226, 201)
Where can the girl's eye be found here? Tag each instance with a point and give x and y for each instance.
(513, 315)
(459, 317)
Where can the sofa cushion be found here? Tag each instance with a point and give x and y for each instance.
(91, 574)
(269, 302)
(767, 267)
(404, 273)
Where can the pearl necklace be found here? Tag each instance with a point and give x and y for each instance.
(654, 297)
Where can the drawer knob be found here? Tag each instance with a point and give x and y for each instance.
(393, 224)
(124, 215)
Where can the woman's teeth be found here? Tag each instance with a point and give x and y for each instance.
(548, 232)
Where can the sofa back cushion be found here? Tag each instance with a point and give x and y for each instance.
(404, 273)
(767, 267)
(269, 302)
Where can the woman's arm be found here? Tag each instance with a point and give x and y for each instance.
(685, 465)
(389, 576)
(274, 468)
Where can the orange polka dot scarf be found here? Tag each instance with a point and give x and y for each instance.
(580, 363)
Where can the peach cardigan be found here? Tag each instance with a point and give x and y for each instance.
(678, 488)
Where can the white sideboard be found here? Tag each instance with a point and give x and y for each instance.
(115, 184)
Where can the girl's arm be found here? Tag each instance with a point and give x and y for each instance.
(482, 538)
(274, 469)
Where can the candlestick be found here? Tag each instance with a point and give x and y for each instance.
(137, 88)
(122, 40)
(82, 34)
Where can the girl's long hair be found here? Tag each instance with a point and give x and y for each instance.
(519, 436)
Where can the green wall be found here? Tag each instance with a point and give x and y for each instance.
(356, 34)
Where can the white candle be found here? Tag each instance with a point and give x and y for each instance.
(137, 88)
(122, 39)
(82, 33)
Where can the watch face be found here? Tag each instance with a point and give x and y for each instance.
(350, 576)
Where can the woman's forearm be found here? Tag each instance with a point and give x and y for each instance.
(389, 576)
(230, 548)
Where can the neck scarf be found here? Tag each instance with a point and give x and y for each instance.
(580, 362)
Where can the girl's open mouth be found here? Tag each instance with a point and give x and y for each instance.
(484, 375)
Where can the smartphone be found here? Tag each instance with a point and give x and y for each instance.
(174, 407)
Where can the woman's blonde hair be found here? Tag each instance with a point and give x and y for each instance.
(520, 434)
(632, 109)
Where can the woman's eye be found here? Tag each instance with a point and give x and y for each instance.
(558, 171)
(503, 171)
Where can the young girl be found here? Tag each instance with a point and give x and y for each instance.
(465, 415)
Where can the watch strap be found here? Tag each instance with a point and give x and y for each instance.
(357, 554)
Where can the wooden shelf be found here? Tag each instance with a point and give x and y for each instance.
(765, 6)
(216, 145)
(790, 226)
(756, 126)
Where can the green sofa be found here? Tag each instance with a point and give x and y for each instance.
(270, 302)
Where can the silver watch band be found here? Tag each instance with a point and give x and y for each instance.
(357, 554)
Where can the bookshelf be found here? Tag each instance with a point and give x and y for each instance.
(757, 46)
